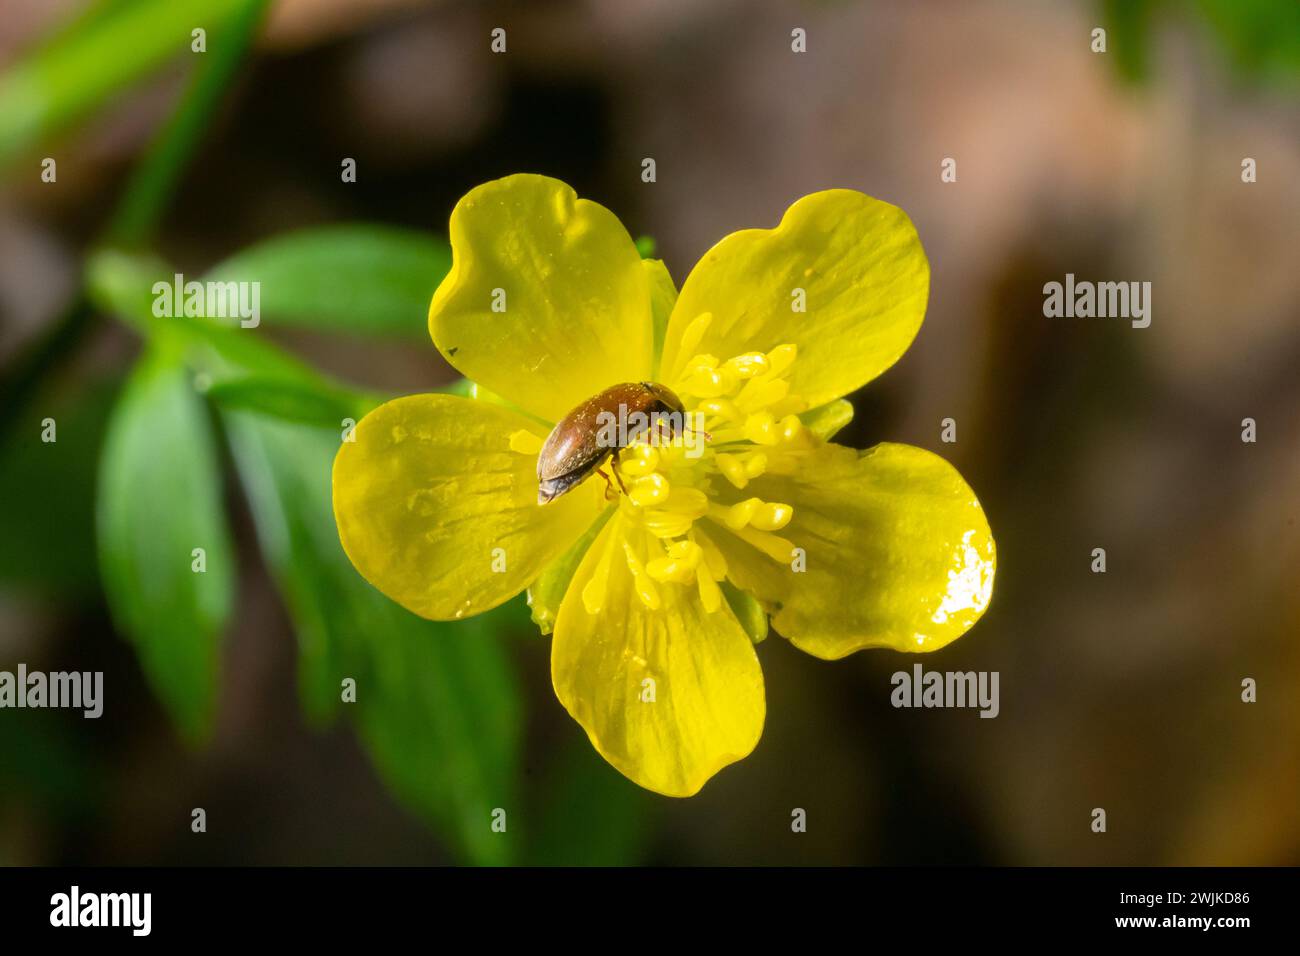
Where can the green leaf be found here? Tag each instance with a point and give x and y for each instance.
(437, 704)
(443, 724)
(159, 499)
(323, 406)
(100, 53)
(154, 179)
(121, 284)
(241, 365)
(358, 278)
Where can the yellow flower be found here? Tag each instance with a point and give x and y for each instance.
(650, 593)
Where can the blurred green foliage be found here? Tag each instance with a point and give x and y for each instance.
(49, 543)
(159, 501)
(355, 278)
(114, 44)
(591, 814)
(437, 705)
(1259, 38)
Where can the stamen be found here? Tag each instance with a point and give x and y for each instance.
(776, 548)
(748, 365)
(732, 468)
(755, 513)
(791, 428)
(645, 588)
(771, 516)
(678, 565)
(708, 381)
(753, 429)
(781, 358)
(760, 428)
(667, 524)
(649, 489)
(638, 461)
(712, 555)
(738, 515)
(675, 516)
(695, 331)
(710, 593)
(720, 408)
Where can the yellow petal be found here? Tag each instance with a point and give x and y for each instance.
(547, 593)
(864, 280)
(897, 552)
(669, 697)
(571, 297)
(437, 512)
(663, 296)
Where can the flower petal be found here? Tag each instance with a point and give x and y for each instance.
(430, 489)
(865, 280)
(546, 594)
(572, 298)
(898, 552)
(708, 707)
(663, 296)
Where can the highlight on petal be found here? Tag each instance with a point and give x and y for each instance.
(843, 277)
(668, 696)
(547, 302)
(896, 552)
(438, 510)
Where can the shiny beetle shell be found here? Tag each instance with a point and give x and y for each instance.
(572, 451)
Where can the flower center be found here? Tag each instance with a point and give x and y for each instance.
(741, 422)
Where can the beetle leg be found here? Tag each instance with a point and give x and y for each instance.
(613, 466)
(609, 487)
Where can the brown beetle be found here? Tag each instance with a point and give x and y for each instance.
(586, 437)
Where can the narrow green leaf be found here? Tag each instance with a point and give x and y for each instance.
(160, 500)
(319, 405)
(155, 178)
(437, 704)
(358, 278)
